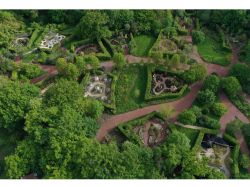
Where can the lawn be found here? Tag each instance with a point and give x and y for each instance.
(245, 54)
(130, 88)
(212, 52)
(143, 45)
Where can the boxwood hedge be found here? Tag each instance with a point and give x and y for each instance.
(150, 97)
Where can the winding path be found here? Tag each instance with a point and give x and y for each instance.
(112, 121)
(178, 105)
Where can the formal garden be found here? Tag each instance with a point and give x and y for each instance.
(69, 78)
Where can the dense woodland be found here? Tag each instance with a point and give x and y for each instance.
(53, 134)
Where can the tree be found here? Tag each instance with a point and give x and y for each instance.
(212, 83)
(242, 73)
(195, 73)
(14, 102)
(94, 25)
(206, 97)
(167, 112)
(231, 86)
(81, 64)
(71, 72)
(219, 109)
(67, 70)
(23, 161)
(120, 19)
(63, 92)
(200, 71)
(119, 60)
(196, 110)
(28, 71)
(187, 117)
(198, 37)
(170, 32)
(61, 65)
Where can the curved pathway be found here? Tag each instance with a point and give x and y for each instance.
(179, 106)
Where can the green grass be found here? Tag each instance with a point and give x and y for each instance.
(212, 52)
(130, 88)
(192, 134)
(143, 45)
(245, 54)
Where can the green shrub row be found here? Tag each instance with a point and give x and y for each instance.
(242, 105)
(41, 36)
(157, 41)
(112, 105)
(105, 54)
(85, 80)
(109, 46)
(74, 45)
(235, 165)
(182, 31)
(235, 155)
(33, 37)
(198, 141)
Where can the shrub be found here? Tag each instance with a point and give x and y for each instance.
(187, 117)
(119, 60)
(208, 122)
(206, 97)
(242, 73)
(29, 70)
(170, 32)
(212, 83)
(218, 109)
(198, 37)
(157, 56)
(196, 110)
(167, 112)
(195, 73)
(231, 86)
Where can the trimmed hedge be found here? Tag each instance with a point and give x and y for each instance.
(235, 154)
(148, 94)
(109, 46)
(198, 141)
(33, 37)
(42, 35)
(105, 54)
(112, 106)
(73, 45)
(157, 41)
